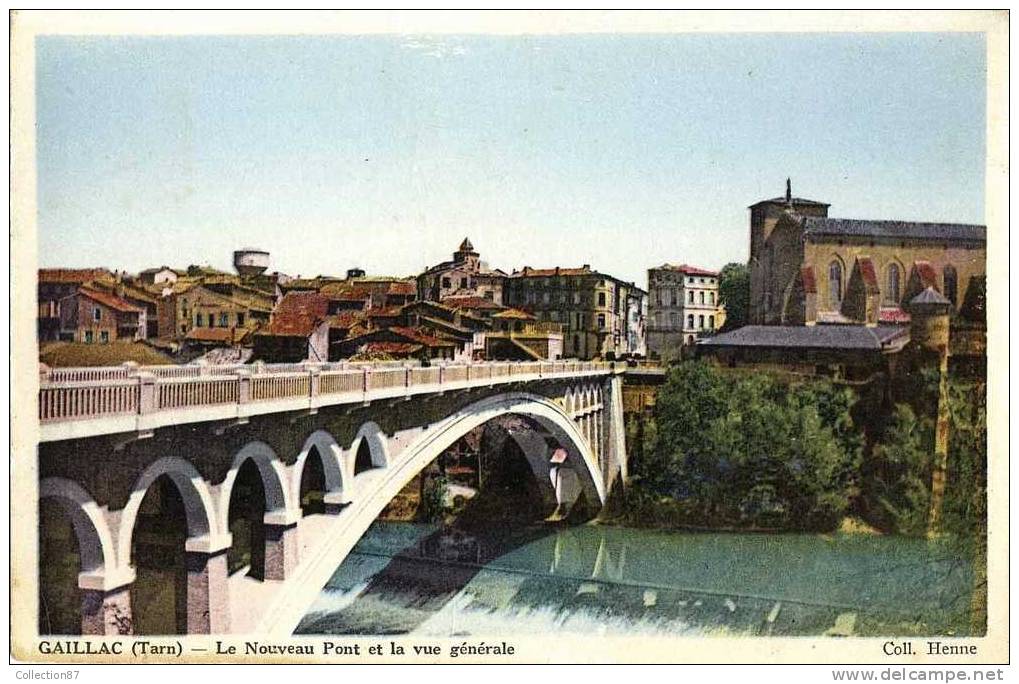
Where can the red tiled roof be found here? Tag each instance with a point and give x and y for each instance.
(928, 277)
(868, 274)
(527, 271)
(228, 335)
(420, 336)
(109, 300)
(345, 319)
(687, 269)
(345, 292)
(472, 303)
(297, 314)
(809, 282)
(392, 347)
(73, 275)
(514, 313)
(893, 315)
(403, 287)
(384, 311)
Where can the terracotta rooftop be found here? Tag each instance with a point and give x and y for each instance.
(297, 314)
(518, 314)
(228, 335)
(925, 272)
(472, 303)
(110, 300)
(528, 272)
(687, 269)
(345, 319)
(73, 275)
(392, 347)
(869, 275)
(421, 336)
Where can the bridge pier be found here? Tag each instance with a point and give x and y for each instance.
(281, 544)
(207, 598)
(106, 612)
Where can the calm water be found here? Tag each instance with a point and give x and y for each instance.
(406, 578)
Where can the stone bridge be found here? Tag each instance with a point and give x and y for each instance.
(186, 467)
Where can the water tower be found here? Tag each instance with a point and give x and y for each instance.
(251, 262)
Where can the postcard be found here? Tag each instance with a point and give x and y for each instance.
(510, 337)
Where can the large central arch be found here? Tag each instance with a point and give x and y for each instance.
(378, 486)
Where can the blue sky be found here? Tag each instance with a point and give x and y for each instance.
(383, 152)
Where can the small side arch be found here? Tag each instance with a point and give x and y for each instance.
(193, 491)
(272, 473)
(330, 453)
(95, 543)
(371, 434)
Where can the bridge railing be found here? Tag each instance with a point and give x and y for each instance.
(81, 394)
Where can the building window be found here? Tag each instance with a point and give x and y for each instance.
(183, 327)
(689, 339)
(576, 298)
(212, 321)
(601, 321)
(700, 322)
(463, 283)
(711, 322)
(712, 299)
(601, 299)
(198, 320)
(546, 297)
(240, 319)
(224, 319)
(446, 283)
(702, 296)
(689, 322)
(104, 336)
(97, 314)
(676, 320)
(951, 284)
(835, 285)
(689, 298)
(489, 295)
(675, 297)
(576, 343)
(88, 337)
(894, 281)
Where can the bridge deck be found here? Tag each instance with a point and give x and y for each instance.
(77, 403)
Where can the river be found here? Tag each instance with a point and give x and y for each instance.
(410, 578)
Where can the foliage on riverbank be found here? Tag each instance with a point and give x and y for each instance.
(751, 451)
(746, 452)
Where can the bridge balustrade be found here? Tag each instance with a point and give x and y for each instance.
(189, 392)
(282, 386)
(84, 400)
(342, 382)
(138, 390)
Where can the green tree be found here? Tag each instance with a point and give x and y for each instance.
(734, 293)
(750, 450)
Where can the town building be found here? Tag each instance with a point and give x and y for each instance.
(194, 305)
(55, 284)
(602, 316)
(518, 336)
(684, 306)
(93, 316)
(465, 276)
(399, 343)
(158, 275)
(808, 268)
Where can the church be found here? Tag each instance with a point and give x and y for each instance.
(807, 268)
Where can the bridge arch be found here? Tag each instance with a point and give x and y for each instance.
(95, 543)
(288, 606)
(198, 509)
(331, 456)
(271, 472)
(372, 435)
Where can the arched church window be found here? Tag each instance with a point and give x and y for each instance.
(951, 284)
(835, 285)
(892, 291)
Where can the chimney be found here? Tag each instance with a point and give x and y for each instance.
(788, 192)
